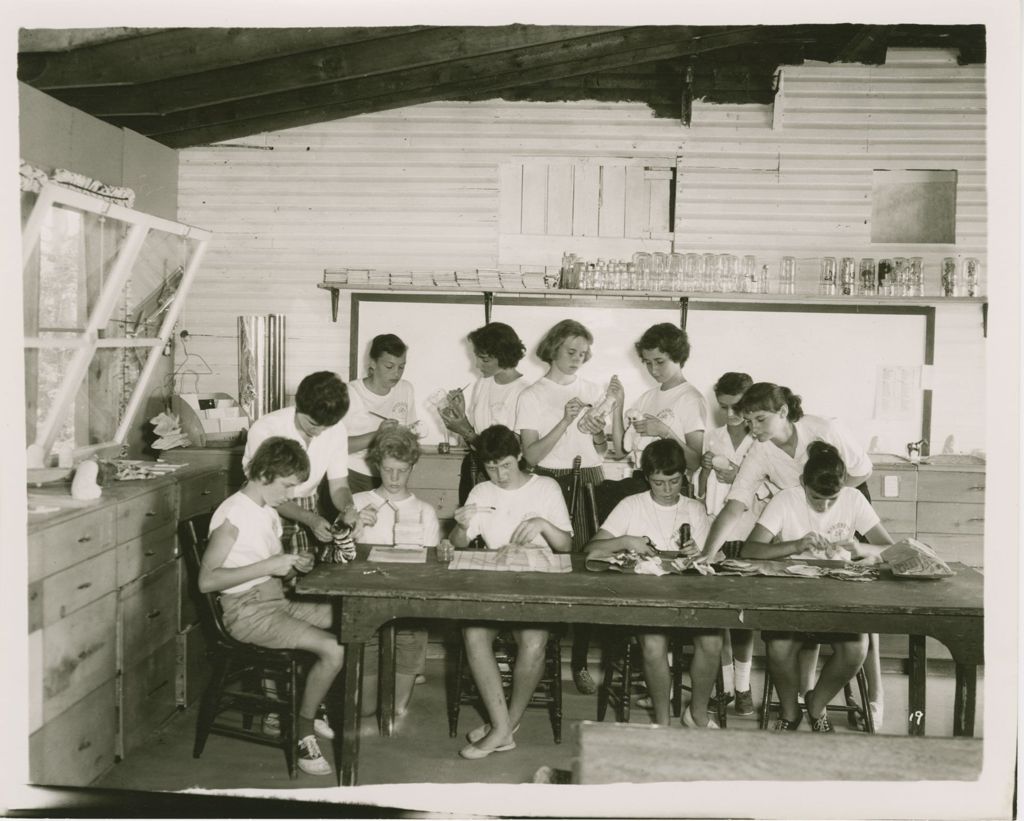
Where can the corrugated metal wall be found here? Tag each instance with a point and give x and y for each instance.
(419, 188)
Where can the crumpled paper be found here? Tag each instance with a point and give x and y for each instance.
(167, 427)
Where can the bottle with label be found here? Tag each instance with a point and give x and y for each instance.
(684, 534)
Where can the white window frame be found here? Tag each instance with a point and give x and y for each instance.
(86, 343)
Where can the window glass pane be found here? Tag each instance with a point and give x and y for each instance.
(44, 369)
(61, 270)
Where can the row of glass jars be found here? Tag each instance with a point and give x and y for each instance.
(899, 276)
(720, 273)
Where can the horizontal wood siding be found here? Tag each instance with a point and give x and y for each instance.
(412, 188)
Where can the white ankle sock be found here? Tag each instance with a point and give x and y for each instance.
(742, 669)
(727, 678)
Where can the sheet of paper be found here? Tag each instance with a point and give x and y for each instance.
(523, 560)
(395, 554)
(897, 392)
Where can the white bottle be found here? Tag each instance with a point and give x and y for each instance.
(600, 411)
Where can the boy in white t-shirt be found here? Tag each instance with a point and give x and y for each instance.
(244, 561)
(816, 520)
(388, 515)
(648, 522)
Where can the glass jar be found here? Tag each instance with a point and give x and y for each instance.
(885, 277)
(901, 276)
(915, 276)
(709, 272)
(692, 267)
(868, 277)
(948, 280)
(972, 277)
(827, 282)
(787, 275)
(848, 276)
(748, 271)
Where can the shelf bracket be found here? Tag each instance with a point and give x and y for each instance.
(335, 294)
(684, 310)
(488, 305)
(984, 320)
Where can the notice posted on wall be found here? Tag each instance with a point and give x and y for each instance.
(897, 392)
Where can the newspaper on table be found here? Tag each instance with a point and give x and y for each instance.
(513, 557)
(912, 559)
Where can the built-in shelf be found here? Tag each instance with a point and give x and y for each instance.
(695, 296)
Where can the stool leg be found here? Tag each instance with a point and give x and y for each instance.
(555, 708)
(290, 730)
(455, 688)
(721, 703)
(865, 705)
(627, 683)
(677, 680)
(208, 706)
(766, 700)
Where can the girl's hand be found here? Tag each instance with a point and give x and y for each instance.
(464, 515)
(706, 458)
(865, 553)
(813, 543)
(689, 549)
(572, 409)
(728, 475)
(527, 530)
(321, 529)
(617, 392)
(367, 517)
(593, 426)
(282, 563)
(651, 426)
(304, 562)
(385, 424)
(641, 545)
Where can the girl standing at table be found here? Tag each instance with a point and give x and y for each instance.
(646, 523)
(816, 520)
(512, 508)
(725, 448)
(782, 433)
(497, 351)
(555, 430)
(393, 454)
(675, 409)
(381, 400)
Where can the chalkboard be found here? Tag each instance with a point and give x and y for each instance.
(829, 354)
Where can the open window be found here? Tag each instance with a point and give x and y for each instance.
(104, 285)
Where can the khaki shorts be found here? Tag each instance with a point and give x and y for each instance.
(262, 615)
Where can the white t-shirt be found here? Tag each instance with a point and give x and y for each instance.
(766, 460)
(789, 517)
(640, 515)
(398, 403)
(540, 496)
(542, 405)
(494, 404)
(718, 442)
(259, 534)
(408, 511)
(327, 451)
(682, 408)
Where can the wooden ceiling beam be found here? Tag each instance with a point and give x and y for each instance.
(455, 80)
(166, 54)
(867, 45)
(353, 61)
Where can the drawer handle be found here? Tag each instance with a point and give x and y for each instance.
(206, 492)
(85, 745)
(976, 487)
(150, 513)
(977, 519)
(153, 614)
(149, 553)
(85, 585)
(85, 539)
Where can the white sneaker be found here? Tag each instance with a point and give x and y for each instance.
(311, 760)
(271, 725)
(420, 679)
(689, 721)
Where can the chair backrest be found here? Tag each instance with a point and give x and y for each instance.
(193, 534)
(604, 497)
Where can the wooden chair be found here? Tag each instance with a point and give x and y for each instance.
(238, 669)
(462, 689)
(858, 716)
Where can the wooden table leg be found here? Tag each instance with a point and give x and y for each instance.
(347, 757)
(917, 679)
(386, 679)
(964, 699)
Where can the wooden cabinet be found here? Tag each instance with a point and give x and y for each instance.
(951, 513)
(104, 611)
(435, 480)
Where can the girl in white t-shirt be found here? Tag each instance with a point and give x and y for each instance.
(513, 508)
(244, 562)
(381, 400)
(497, 351)
(816, 520)
(382, 512)
(673, 410)
(556, 428)
(648, 522)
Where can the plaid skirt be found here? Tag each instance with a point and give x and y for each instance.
(579, 512)
(295, 536)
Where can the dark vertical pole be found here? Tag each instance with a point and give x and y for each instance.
(918, 674)
(964, 699)
(488, 305)
(684, 310)
(386, 679)
(348, 760)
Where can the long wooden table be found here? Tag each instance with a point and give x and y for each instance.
(369, 595)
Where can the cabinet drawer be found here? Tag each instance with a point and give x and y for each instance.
(67, 591)
(79, 654)
(950, 517)
(950, 486)
(188, 614)
(139, 556)
(193, 668)
(149, 613)
(147, 512)
(436, 471)
(904, 480)
(147, 695)
(201, 493)
(63, 545)
(444, 502)
(897, 517)
(967, 549)
(77, 747)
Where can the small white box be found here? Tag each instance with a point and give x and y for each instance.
(235, 424)
(211, 425)
(891, 485)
